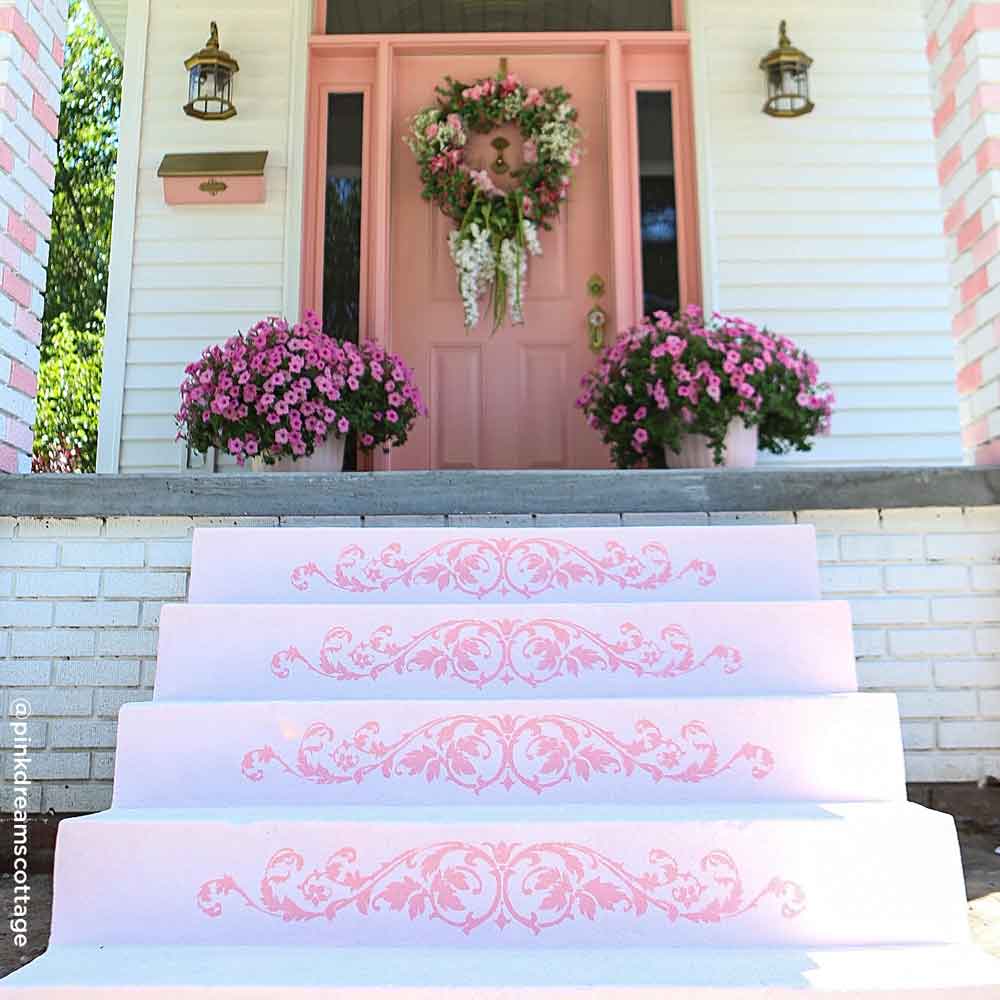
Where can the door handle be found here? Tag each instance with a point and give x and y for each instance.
(597, 318)
(597, 321)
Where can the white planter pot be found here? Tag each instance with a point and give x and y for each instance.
(741, 450)
(328, 457)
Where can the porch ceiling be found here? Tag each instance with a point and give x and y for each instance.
(112, 15)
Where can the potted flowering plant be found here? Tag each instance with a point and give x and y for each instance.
(692, 392)
(281, 394)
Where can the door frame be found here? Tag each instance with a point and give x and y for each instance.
(365, 64)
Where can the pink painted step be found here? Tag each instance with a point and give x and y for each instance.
(508, 566)
(936, 972)
(830, 748)
(416, 651)
(792, 876)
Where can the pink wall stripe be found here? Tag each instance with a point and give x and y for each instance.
(974, 286)
(970, 231)
(954, 217)
(949, 164)
(970, 377)
(954, 73)
(944, 114)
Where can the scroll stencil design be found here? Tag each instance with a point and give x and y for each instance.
(501, 567)
(481, 652)
(538, 886)
(479, 752)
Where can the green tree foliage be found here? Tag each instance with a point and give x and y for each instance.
(69, 394)
(85, 174)
(73, 325)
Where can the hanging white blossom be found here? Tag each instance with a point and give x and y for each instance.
(475, 262)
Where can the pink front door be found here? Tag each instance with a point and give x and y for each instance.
(502, 401)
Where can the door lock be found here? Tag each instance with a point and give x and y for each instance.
(597, 321)
(597, 318)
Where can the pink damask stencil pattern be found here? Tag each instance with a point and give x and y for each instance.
(480, 752)
(480, 652)
(538, 886)
(500, 567)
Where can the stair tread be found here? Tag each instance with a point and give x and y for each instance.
(527, 815)
(470, 972)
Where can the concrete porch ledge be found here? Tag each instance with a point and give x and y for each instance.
(423, 493)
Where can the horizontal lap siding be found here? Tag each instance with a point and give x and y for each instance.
(200, 273)
(829, 228)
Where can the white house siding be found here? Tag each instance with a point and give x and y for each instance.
(829, 228)
(200, 273)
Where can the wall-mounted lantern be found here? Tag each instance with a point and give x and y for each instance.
(787, 70)
(210, 85)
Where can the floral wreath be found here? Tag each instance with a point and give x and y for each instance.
(497, 229)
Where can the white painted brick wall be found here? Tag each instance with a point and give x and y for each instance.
(80, 601)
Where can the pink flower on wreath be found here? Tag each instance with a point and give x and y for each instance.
(431, 131)
(574, 157)
(533, 98)
(529, 152)
(454, 121)
(484, 182)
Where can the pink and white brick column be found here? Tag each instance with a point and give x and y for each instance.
(963, 49)
(32, 34)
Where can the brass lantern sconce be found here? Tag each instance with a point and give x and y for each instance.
(787, 70)
(210, 81)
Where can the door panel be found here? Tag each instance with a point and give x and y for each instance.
(506, 400)
(456, 395)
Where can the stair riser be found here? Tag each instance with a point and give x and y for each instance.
(510, 566)
(847, 880)
(929, 973)
(837, 748)
(548, 651)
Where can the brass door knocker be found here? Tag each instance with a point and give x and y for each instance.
(500, 165)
